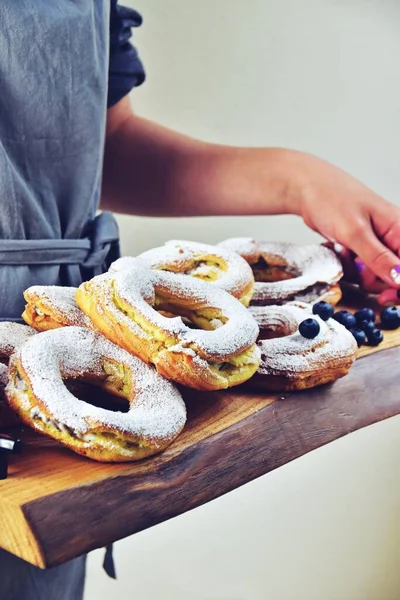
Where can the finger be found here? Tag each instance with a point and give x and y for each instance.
(386, 223)
(376, 256)
(388, 296)
(367, 280)
(391, 239)
(355, 271)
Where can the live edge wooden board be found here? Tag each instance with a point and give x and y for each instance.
(56, 505)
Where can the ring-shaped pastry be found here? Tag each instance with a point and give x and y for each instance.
(12, 336)
(290, 361)
(220, 353)
(37, 392)
(286, 272)
(50, 306)
(214, 264)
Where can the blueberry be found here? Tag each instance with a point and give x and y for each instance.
(367, 326)
(360, 336)
(323, 309)
(375, 337)
(350, 322)
(344, 317)
(340, 315)
(309, 328)
(365, 314)
(390, 318)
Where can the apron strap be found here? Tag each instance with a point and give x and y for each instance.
(108, 562)
(96, 252)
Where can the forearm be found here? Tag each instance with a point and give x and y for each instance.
(150, 170)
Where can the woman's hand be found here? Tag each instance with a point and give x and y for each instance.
(355, 271)
(346, 212)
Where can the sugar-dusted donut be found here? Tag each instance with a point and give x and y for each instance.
(214, 264)
(220, 353)
(51, 306)
(36, 391)
(290, 361)
(285, 272)
(12, 336)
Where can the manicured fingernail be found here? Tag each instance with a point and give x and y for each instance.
(395, 274)
(360, 266)
(338, 248)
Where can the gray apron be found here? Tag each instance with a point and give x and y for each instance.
(53, 91)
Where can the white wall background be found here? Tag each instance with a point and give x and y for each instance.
(321, 76)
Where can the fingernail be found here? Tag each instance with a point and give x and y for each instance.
(395, 274)
(360, 266)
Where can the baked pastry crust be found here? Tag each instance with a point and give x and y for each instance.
(292, 362)
(129, 308)
(286, 272)
(36, 391)
(214, 264)
(12, 336)
(50, 307)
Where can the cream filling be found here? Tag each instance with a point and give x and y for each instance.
(205, 270)
(37, 414)
(103, 439)
(227, 370)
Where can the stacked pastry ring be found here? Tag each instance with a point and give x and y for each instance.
(216, 265)
(285, 272)
(159, 310)
(220, 353)
(50, 307)
(12, 336)
(289, 361)
(37, 393)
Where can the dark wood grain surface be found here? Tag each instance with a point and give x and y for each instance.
(57, 505)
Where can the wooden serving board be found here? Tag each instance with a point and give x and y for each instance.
(56, 505)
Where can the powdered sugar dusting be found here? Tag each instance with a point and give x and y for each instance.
(314, 264)
(12, 336)
(293, 353)
(232, 272)
(59, 303)
(182, 349)
(123, 263)
(246, 247)
(3, 376)
(101, 288)
(234, 336)
(157, 411)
